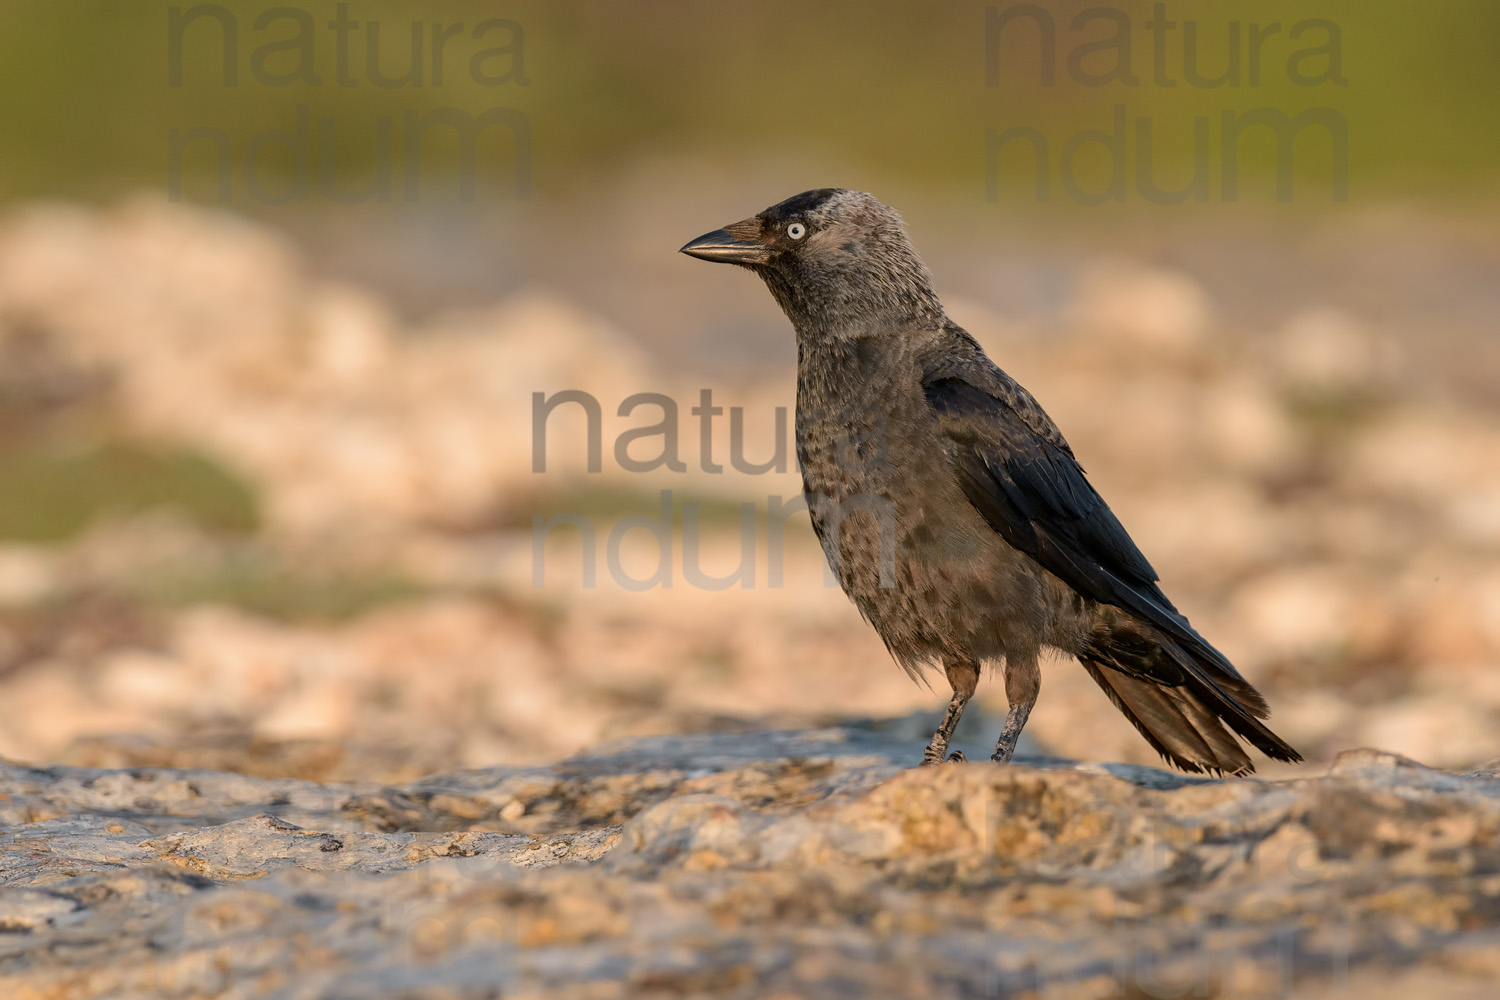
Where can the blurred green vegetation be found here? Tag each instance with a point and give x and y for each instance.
(86, 105)
(605, 505)
(51, 491)
(278, 591)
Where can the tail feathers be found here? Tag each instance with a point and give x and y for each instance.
(1181, 700)
(1174, 722)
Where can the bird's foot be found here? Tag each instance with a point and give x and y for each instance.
(934, 755)
(1004, 751)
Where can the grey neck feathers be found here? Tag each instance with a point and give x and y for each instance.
(884, 287)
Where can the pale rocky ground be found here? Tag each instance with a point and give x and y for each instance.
(1331, 527)
(793, 864)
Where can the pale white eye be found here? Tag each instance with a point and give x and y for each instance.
(796, 230)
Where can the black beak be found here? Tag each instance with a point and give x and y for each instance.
(726, 248)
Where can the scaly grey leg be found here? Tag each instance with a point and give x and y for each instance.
(1023, 682)
(963, 677)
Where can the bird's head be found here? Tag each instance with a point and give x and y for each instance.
(835, 259)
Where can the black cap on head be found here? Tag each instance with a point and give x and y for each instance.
(801, 204)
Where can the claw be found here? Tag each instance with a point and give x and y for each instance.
(957, 757)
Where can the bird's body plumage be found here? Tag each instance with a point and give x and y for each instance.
(906, 544)
(952, 509)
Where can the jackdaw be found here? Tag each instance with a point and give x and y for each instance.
(952, 510)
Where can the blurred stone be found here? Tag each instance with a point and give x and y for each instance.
(1476, 516)
(28, 573)
(351, 334)
(1325, 350)
(1209, 530)
(1435, 456)
(1438, 728)
(1161, 311)
(1312, 613)
(1247, 428)
(1452, 605)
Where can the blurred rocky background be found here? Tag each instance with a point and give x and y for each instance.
(254, 516)
(268, 487)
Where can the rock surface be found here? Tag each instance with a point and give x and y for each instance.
(789, 864)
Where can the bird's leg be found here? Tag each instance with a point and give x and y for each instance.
(963, 677)
(937, 750)
(1023, 681)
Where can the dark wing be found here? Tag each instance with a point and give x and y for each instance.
(1019, 473)
(1017, 470)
